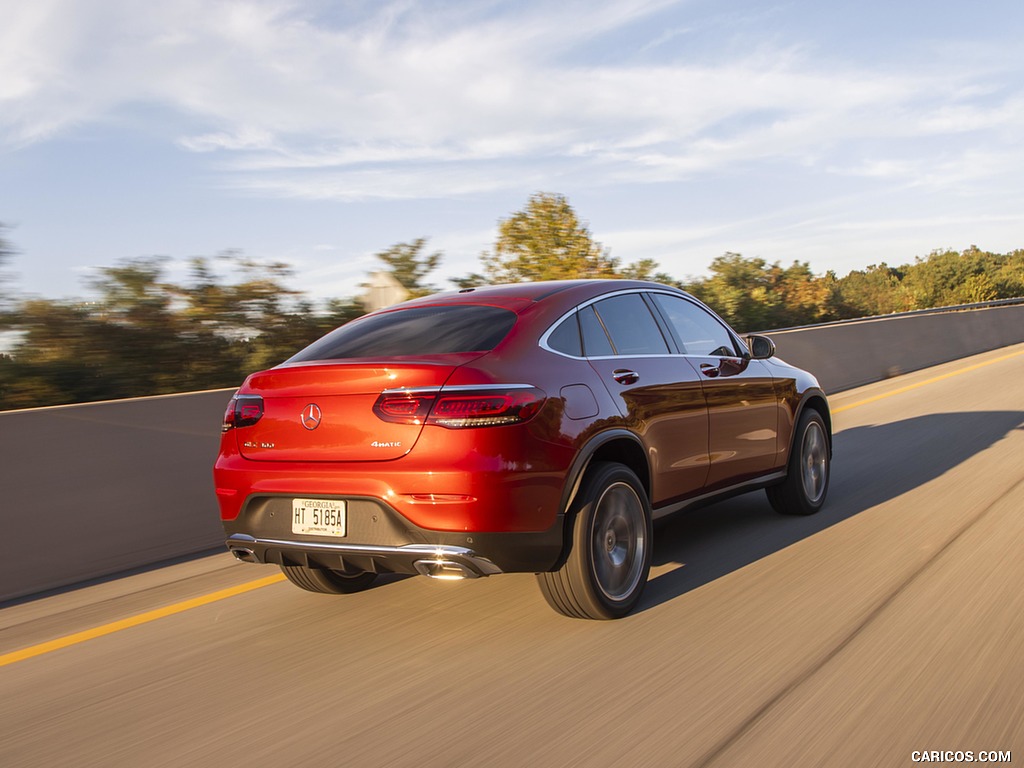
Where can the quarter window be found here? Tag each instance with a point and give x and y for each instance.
(565, 338)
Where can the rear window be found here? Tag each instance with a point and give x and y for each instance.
(419, 331)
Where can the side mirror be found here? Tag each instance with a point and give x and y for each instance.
(761, 347)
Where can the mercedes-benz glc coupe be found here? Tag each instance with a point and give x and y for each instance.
(534, 427)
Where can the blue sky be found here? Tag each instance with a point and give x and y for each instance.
(318, 133)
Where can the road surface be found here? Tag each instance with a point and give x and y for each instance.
(888, 624)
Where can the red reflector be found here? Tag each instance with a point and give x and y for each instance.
(442, 498)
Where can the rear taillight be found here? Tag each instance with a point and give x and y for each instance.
(460, 409)
(404, 407)
(485, 408)
(242, 411)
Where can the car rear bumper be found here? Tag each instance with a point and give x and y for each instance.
(437, 561)
(379, 539)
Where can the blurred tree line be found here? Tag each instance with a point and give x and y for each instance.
(142, 333)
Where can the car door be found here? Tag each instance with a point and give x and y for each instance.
(659, 395)
(740, 392)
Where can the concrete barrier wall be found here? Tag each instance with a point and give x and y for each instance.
(847, 355)
(89, 490)
(94, 489)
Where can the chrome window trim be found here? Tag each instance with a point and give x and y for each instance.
(543, 342)
(631, 357)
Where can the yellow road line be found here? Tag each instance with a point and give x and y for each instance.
(932, 380)
(134, 621)
(170, 610)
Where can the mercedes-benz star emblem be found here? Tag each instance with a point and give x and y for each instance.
(311, 416)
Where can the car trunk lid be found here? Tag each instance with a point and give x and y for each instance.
(324, 411)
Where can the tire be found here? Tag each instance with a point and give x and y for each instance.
(607, 567)
(327, 581)
(806, 485)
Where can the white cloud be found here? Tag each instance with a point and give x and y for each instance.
(794, 152)
(274, 93)
(245, 139)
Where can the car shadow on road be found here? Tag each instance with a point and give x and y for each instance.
(871, 465)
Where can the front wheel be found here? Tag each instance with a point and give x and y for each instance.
(327, 581)
(607, 568)
(803, 491)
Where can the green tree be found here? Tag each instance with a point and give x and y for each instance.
(947, 277)
(546, 241)
(739, 289)
(877, 290)
(751, 294)
(146, 335)
(804, 298)
(409, 265)
(1008, 275)
(646, 269)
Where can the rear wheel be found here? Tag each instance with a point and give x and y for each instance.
(806, 484)
(328, 581)
(607, 568)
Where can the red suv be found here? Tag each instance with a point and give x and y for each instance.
(536, 427)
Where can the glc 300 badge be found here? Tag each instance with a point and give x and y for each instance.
(311, 416)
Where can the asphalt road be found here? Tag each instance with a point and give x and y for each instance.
(891, 622)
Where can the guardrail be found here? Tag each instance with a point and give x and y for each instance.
(94, 489)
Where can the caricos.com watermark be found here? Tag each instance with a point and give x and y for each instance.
(959, 756)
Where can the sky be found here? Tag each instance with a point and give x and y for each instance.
(320, 132)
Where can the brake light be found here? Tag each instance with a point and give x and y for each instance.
(461, 409)
(242, 411)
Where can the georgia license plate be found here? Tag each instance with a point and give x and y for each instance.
(318, 517)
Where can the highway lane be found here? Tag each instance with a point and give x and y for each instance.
(893, 621)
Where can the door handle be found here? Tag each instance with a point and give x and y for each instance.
(625, 376)
(709, 370)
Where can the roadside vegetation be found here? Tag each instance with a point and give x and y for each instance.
(141, 333)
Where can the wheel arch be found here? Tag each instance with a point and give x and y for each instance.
(613, 445)
(815, 400)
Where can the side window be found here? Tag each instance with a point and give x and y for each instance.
(595, 340)
(565, 338)
(631, 326)
(697, 332)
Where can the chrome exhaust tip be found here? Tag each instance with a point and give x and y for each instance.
(444, 570)
(244, 555)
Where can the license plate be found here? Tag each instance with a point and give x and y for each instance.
(318, 517)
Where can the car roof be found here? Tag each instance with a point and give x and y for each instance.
(512, 294)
